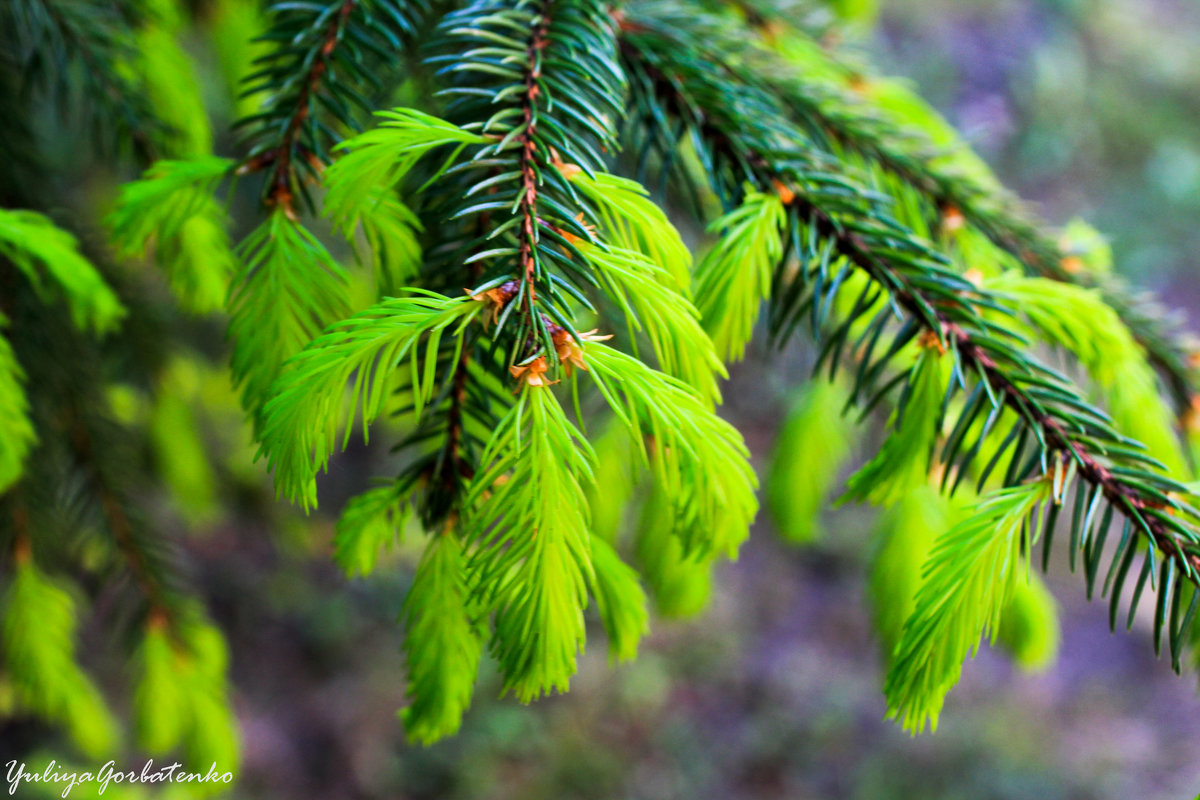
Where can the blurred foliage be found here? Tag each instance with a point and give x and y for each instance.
(1068, 100)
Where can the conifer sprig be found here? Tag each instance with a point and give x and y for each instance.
(17, 436)
(172, 211)
(838, 119)
(302, 418)
(970, 576)
(49, 259)
(517, 174)
(541, 83)
(289, 290)
(319, 75)
(699, 461)
(836, 227)
(78, 55)
(443, 644)
(38, 630)
(531, 564)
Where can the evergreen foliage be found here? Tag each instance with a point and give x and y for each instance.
(526, 326)
(795, 491)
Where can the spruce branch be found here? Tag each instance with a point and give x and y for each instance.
(540, 82)
(1000, 216)
(148, 561)
(444, 435)
(514, 182)
(527, 143)
(317, 77)
(78, 54)
(837, 226)
(839, 118)
(319, 74)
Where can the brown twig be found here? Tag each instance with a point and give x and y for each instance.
(529, 157)
(280, 159)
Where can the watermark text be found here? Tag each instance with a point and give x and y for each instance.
(68, 778)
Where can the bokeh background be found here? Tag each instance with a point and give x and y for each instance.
(1088, 108)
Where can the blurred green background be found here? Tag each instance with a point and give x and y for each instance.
(1088, 108)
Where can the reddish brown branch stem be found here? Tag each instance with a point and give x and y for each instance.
(529, 159)
(280, 159)
(22, 541)
(121, 527)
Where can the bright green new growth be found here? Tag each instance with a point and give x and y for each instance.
(171, 78)
(380, 158)
(50, 259)
(17, 435)
(171, 210)
(177, 436)
(39, 658)
(907, 534)
(971, 575)
(620, 601)
(532, 561)
(181, 698)
(289, 289)
(359, 188)
(735, 276)
(643, 290)
(681, 584)
(368, 523)
(442, 643)
(798, 488)
(631, 221)
(308, 404)
(698, 459)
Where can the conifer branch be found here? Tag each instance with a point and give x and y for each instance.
(319, 74)
(494, 235)
(527, 141)
(518, 177)
(515, 65)
(908, 154)
(151, 571)
(834, 219)
(278, 160)
(829, 108)
(57, 43)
